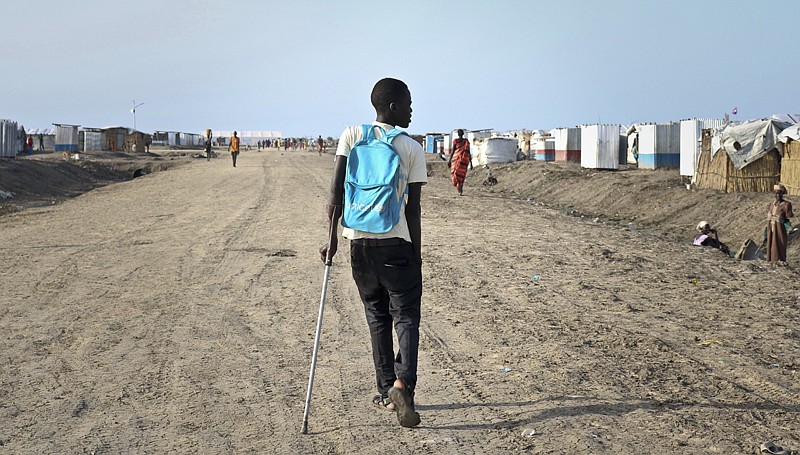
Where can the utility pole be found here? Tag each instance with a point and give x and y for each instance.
(133, 111)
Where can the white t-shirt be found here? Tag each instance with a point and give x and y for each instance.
(412, 170)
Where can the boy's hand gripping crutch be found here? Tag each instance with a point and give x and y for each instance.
(328, 262)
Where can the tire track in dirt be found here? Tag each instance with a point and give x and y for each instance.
(587, 319)
(200, 338)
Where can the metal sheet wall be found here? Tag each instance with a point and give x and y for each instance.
(93, 140)
(544, 149)
(600, 146)
(8, 138)
(567, 144)
(659, 145)
(66, 138)
(691, 137)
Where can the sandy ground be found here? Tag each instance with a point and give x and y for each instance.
(175, 313)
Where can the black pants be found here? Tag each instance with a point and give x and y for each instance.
(234, 155)
(389, 280)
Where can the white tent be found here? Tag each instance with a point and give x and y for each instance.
(494, 150)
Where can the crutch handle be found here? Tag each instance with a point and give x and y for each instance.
(333, 231)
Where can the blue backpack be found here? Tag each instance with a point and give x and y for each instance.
(371, 201)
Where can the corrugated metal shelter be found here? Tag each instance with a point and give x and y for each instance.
(167, 138)
(691, 141)
(567, 144)
(9, 138)
(600, 146)
(659, 145)
(66, 137)
(473, 135)
(115, 138)
(191, 139)
(544, 148)
(93, 139)
(431, 140)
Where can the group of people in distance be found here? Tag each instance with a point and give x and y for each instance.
(776, 233)
(235, 142)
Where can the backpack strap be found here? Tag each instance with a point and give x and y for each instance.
(366, 132)
(391, 134)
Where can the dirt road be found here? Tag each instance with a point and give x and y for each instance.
(175, 314)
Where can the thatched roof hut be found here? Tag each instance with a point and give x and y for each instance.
(717, 171)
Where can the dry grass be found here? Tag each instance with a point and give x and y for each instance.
(790, 167)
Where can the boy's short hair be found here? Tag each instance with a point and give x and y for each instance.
(387, 91)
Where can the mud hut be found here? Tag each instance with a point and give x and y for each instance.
(136, 141)
(748, 160)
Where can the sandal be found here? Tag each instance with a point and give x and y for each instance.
(383, 402)
(769, 447)
(405, 407)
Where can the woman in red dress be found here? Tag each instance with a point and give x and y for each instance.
(458, 161)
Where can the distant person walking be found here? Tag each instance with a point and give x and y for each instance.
(320, 145)
(41, 142)
(30, 145)
(208, 144)
(780, 210)
(233, 147)
(459, 159)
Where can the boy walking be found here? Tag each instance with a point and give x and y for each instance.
(387, 266)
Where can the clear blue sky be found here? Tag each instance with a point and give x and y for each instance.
(307, 67)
